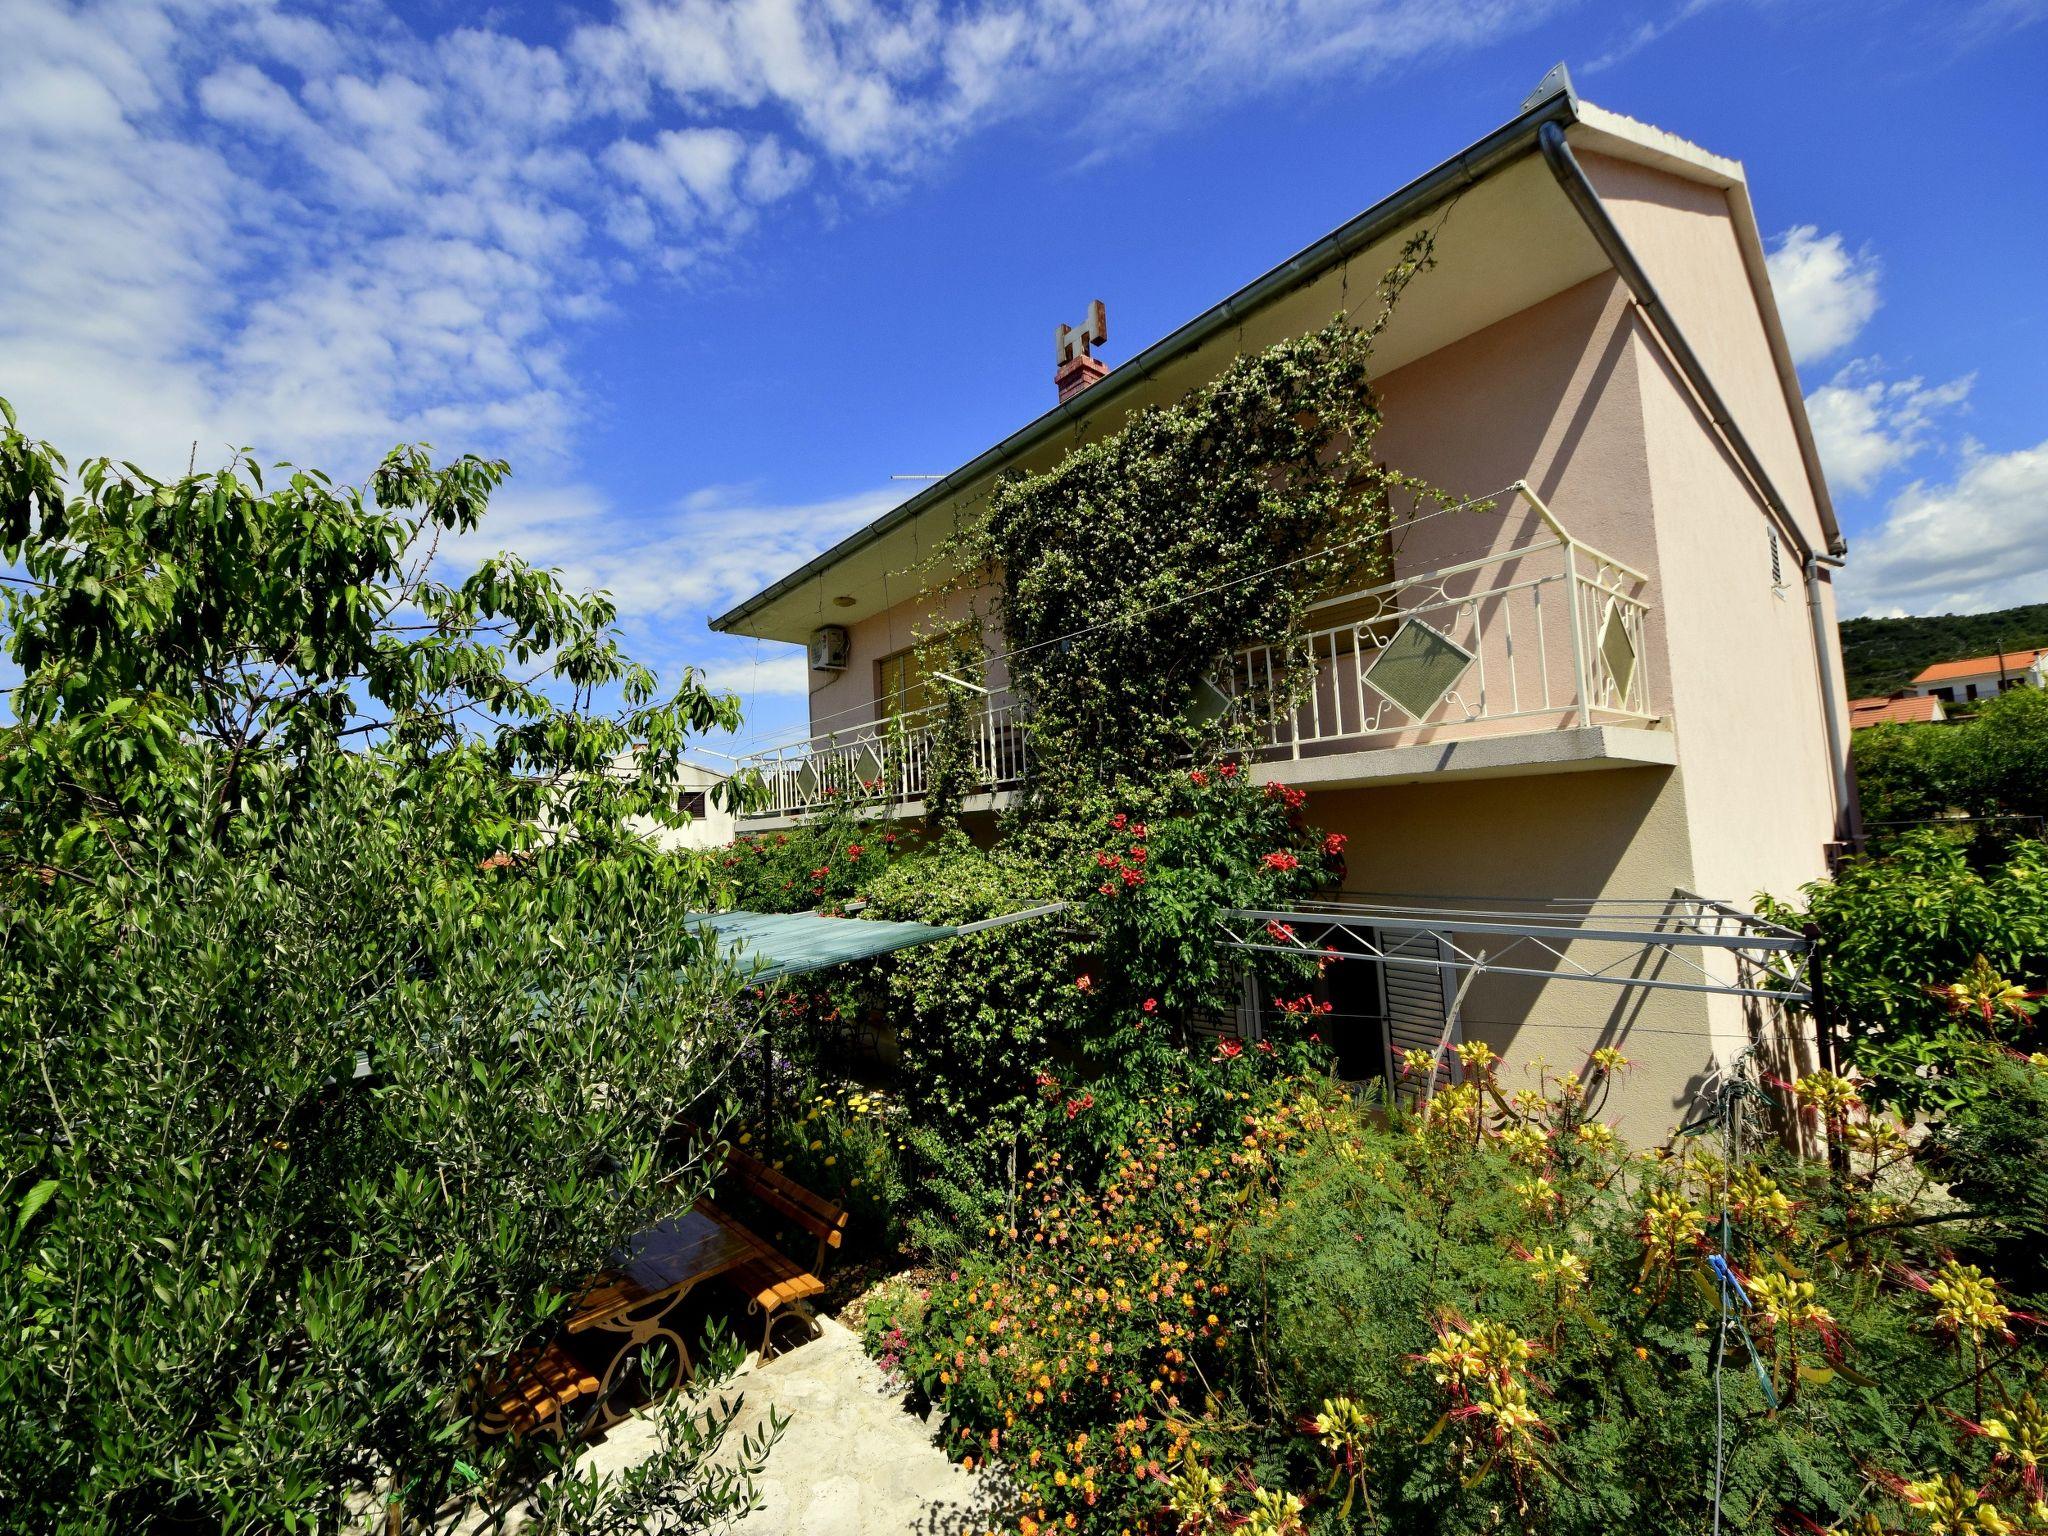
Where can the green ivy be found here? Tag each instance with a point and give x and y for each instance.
(1146, 557)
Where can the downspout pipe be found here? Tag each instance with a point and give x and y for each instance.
(1585, 198)
(1848, 823)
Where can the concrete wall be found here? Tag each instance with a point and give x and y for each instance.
(1567, 839)
(842, 700)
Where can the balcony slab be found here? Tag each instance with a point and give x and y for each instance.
(1574, 749)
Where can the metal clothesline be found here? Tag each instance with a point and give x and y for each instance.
(1651, 935)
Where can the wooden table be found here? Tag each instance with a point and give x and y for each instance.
(647, 1281)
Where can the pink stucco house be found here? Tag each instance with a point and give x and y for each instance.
(1627, 696)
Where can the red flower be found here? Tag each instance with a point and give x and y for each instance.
(853, 850)
(1084, 982)
(1151, 1005)
(1118, 820)
(1107, 888)
(1228, 770)
(1198, 778)
(1141, 831)
(1281, 859)
(1075, 1106)
(1138, 852)
(888, 837)
(1229, 1049)
(1333, 844)
(1132, 877)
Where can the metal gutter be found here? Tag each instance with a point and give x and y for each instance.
(1571, 176)
(1585, 197)
(1425, 193)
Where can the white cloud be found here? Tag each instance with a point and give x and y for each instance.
(230, 224)
(1826, 293)
(1866, 426)
(785, 673)
(1979, 542)
(701, 554)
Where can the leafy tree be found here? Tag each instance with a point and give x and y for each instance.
(1993, 765)
(1898, 931)
(344, 1022)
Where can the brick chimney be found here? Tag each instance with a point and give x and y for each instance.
(1077, 366)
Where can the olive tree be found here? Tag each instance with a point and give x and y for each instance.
(344, 1023)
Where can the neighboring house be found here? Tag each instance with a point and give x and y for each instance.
(711, 824)
(1983, 677)
(1896, 709)
(1629, 689)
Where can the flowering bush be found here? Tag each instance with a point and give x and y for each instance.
(822, 863)
(1158, 871)
(1902, 932)
(1297, 1314)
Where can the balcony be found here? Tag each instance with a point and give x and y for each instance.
(1531, 659)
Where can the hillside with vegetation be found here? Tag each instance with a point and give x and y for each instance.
(1880, 655)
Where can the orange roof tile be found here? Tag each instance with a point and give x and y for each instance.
(1900, 707)
(1979, 666)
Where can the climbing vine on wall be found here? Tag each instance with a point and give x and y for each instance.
(1132, 570)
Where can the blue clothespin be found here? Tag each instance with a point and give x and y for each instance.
(1732, 1286)
(1719, 1266)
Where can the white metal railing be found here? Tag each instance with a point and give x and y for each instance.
(886, 762)
(1549, 634)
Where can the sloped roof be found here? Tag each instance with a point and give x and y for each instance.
(1900, 708)
(1979, 666)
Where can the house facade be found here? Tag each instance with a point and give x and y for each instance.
(1982, 677)
(711, 824)
(1553, 706)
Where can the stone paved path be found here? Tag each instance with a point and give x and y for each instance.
(851, 1463)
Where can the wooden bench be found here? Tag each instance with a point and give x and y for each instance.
(535, 1391)
(772, 1282)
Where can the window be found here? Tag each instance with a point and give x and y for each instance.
(694, 802)
(1948, 695)
(1777, 562)
(1970, 690)
(901, 687)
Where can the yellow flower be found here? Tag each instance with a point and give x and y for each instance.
(1559, 1267)
(1969, 1300)
(1595, 1135)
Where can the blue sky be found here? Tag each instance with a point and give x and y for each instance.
(709, 273)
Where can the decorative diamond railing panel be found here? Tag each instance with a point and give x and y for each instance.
(1618, 650)
(1418, 667)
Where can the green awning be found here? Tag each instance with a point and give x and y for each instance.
(765, 945)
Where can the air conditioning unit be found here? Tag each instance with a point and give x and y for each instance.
(828, 649)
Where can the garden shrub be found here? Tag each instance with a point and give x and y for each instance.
(1486, 1316)
(1990, 765)
(1896, 933)
(822, 863)
(978, 1021)
(1157, 869)
(1992, 1152)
